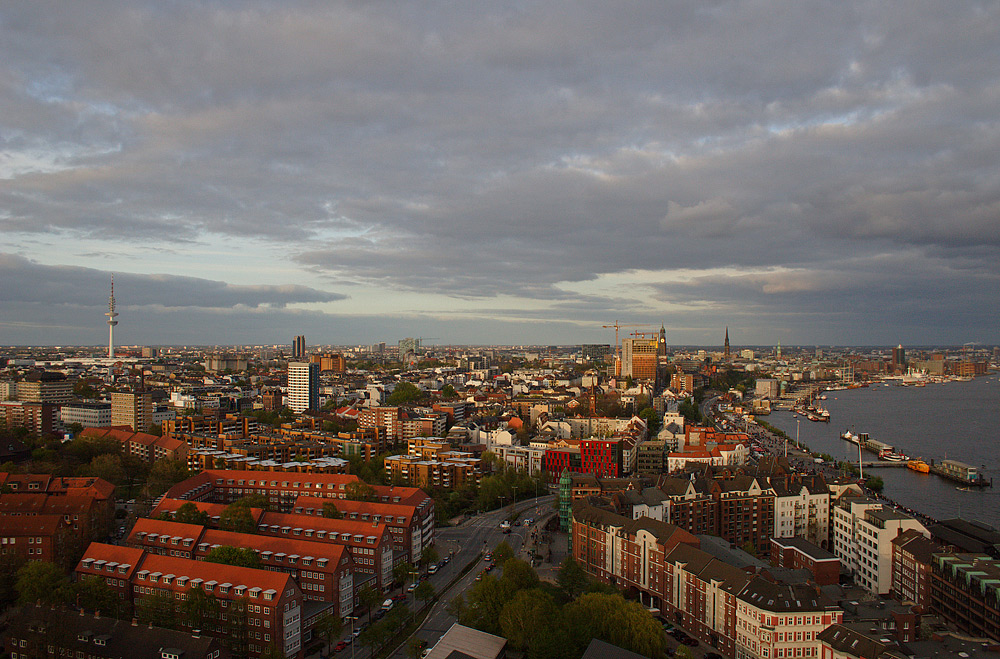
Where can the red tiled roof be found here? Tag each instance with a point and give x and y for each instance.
(354, 527)
(168, 505)
(219, 572)
(360, 507)
(130, 556)
(261, 543)
(162, 527)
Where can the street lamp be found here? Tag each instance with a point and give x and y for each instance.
(352, 619)
(797, 421)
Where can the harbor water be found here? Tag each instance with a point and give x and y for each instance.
(954, 420)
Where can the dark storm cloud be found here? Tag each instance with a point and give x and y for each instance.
(482, 149)
(22, 280)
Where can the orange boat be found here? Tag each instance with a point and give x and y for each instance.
(919, 465)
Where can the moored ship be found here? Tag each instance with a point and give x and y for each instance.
(919, 466)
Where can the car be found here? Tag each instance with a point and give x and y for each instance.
(356, 633)
(489, 567)
(529, 522)
(690, 642)
(712, 655)
(399, 598)
(339, 646)
(479, 577)
(432, 569)
(412, 587)
(489, 556)
(380, 614)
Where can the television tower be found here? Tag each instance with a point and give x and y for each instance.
(112, 314)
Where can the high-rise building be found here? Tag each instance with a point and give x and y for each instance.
(639, 358)
(45, 387)
(133, 409)
(898, 358)
(299, 347)
(303, 386)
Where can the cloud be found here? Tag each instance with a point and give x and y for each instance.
(485, 152)
(26, 281)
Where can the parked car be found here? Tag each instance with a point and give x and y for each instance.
(339, 646)
(412, 587)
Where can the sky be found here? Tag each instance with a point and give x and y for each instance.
(523, 172)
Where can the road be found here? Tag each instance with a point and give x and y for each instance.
(467, 540)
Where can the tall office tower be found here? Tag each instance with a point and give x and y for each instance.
(725, 348)
(303, 386)
(898, 358)
(133, 409)
(299, 347)
(639, 358)
(112, 315)
(661, 346)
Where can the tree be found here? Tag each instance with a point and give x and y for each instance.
(109, 467)
(272, 651)
(683, 652)
(255, 500)
(237, 518)
(415, 647)
(369, 596)
(518, 575)
(188, 513)
(157, 608)
(428, 555)
(359, 491)
(503, 553)
(373, 635)
(94, 594)
(526, 615)
(330, 511)
(875, 483)
(572, 578)
(238, 556)
(329, 627)
(164, 474)
(402, 572)
(653, 420)
(448, 392)
(44, 582)
(424, 592)
(200, 610)
(405, 392)
(485, 602)
(610, 618)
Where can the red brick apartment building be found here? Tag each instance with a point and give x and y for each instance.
(283, 491)
(742, 614)
(271, 602)
(50, 518)
(323, 571)
(144, 446)
(798, 553)
(912, 558)
(400, 519)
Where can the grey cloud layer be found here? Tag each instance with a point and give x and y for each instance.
(25, 281)
(482, 148)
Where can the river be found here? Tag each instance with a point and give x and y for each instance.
(957, 420)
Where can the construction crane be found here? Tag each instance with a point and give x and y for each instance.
(618, 345)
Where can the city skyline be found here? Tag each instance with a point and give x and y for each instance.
(488, 174)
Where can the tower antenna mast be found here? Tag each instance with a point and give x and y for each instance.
(112, 315)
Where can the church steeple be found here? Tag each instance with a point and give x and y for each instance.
(725, 349)
(661, 344)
